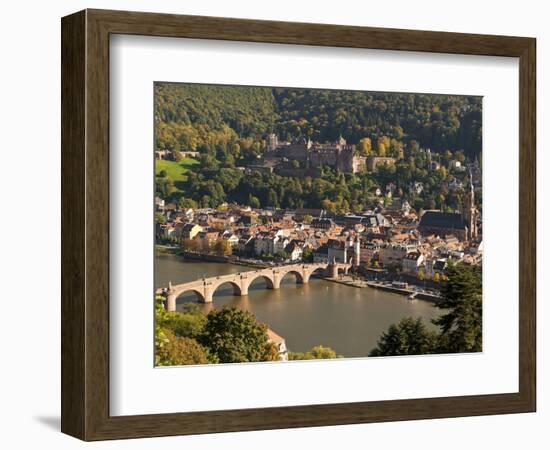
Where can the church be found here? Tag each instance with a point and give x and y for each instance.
(463, 225)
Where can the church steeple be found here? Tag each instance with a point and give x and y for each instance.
(470, 211)
(341, 140)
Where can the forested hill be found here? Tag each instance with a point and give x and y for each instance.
(435, 121)
(249, 111)
(191, 116)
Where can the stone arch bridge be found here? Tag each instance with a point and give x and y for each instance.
(205, 287)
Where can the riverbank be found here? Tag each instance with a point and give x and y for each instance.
(178, 252)
(404, 291)
(348, 281)
(167, 249)
(361, 284)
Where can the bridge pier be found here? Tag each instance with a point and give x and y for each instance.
(170, 302)
(244, 283)
(207, 294)
(333, 271)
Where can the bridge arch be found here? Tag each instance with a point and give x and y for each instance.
(182, 292)
(319, 271)
(268, 280)
(299, 276)
(236, 287)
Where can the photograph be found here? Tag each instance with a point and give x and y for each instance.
(314, 224)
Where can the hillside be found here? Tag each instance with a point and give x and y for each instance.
(199, 117)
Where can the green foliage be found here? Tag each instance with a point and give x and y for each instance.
(181, 351)
(171, 177)
(189, 323)
(229, 178)
(164, 187)
(161, 338)
(192, 116)
(317, 352)
(439, 122)
(234, 335)
(307, 255)
(334, 192)
(160, 218)
(184, 202)
(177, 156)
(408, 337)
(201, 117)
(177, 171)
(248, 111)
(460, 327)
(253, 201)
(175, 333)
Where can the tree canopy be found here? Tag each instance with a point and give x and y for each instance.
(179, 351)
(234, 335)
(460, 326)
(199, 117)
(317, 352)
(408, 337)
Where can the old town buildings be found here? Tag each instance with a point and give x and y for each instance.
(389, 238)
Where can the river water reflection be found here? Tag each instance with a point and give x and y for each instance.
(348, 319)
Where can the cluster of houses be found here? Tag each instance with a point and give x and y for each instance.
(392, 237)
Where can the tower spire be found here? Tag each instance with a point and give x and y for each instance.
(470, 211)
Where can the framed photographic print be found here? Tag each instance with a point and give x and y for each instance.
(270, 224)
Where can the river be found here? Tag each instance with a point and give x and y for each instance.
(347, 319)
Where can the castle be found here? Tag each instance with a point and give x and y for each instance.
(310, 155)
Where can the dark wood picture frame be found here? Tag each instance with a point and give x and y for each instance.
(85, 224)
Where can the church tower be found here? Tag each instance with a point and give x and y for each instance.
(356, 251)
(272, 142)
(470, 212)
(341, 141)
